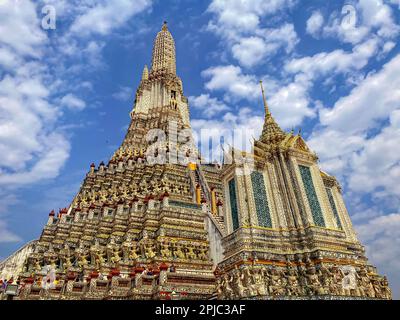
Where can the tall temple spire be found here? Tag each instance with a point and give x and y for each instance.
(164, 56)
(264, 99)
(271, 133)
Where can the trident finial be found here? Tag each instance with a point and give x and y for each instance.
(264, 99)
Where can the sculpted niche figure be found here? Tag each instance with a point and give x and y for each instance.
(276, 287)
(327, 279)
(258, 280)
(365, 285)
(292, 284)
(113, 252)
(226, 285)
(165, 249)
(237, 285)
(81, 256)
(66, 257)
(313, 283)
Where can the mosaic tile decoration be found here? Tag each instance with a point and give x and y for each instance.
(334, 209)
(312, 196)
(233, 201)
(260, 197)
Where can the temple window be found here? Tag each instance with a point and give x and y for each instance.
(312, 198)
(261, 201)
(334, 208)
(233, 202)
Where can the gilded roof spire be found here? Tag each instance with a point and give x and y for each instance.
(271, 133)
(145, 74)
(264, 99)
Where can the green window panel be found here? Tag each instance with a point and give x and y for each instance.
(261, 200)
(333, 206)
(316, 210)
(234, 207)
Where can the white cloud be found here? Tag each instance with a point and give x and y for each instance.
(250, 51)
(353, 142)
(6, 235)
(337, 61)
(239, 24)
(372, 17)
(72, 102)
(372, 100)
(235, 130)
(123, 94)
(290, 103)
(7, 200)
(208, 106)
(104, 16)
(19, 28)
(233, 17)
(381, 237)
(31, 145)
(315, 23)
(231, 79)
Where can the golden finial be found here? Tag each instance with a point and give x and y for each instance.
(165, 26)
(264, 99)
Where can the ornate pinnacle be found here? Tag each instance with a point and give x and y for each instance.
(164, 57)
(272, 133)
(264, 99)
(145, 74)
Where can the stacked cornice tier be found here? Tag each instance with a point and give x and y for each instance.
(156, 222)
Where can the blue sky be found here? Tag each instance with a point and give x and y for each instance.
(328, 68)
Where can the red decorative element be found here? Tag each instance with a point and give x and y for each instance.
(166, 194)
(184, 293)
(92, 206)
(219, 203)
(115, 272)
(132, 274)
(94, 275)
(52, 213)
(139, 269)
(29, 280)
(203, 200)
(156, 271)
(135, 199)
(163, 266)
(71, 276)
